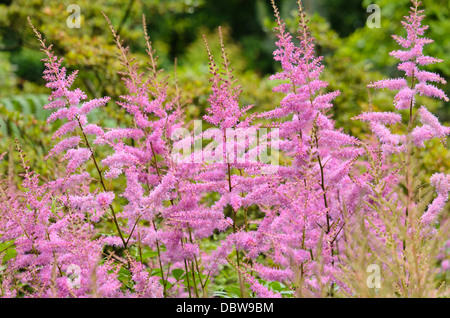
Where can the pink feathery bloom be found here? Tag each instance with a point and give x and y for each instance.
(224, 110)
(301, 194)
(120, 133)
(55, 104)
(441, 182)
(83, 203)
(104, 199)
(431, 91)
(425, 76)
(112, 241)
(87, 107)
(404, 98)
(433, 210)
(113, 173)
(64, 145)
(384, 134)
(409, 68)
(445, 265)
(134, 190)
(413, 84)
(171, 207)
(428, 118)
(336, 139)
(426, 60)
(92, 129)
(61, 114)
(421, 134)
(431, 128)
(76, 158)
(65, 102)
(70, 181)
(385, 118)
(65, 129)
(259, 289)
(273, 274)
(392, 84)
(161, 192)
(411, 59)
(324, 101)
(119, 160)
(339, 172)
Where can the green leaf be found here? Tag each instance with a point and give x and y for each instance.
(125, 277)
(10, 254)
(8, 249)
(156, 272)
(177, 273)
(276, 286)
(168, 285)
(148, 255)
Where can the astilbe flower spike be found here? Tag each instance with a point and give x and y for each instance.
(415, 82)
(230, 175)
(305, 195)
(54, 222)
(52, 242)
(66, 104)
(392, 209)
(152, 176)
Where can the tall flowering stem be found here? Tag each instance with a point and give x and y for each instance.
(409, 240)
(414, 83)
(308, 201)
(224, 112)
(66, 102)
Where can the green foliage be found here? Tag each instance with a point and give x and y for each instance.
(7, 76)
(23, 117)
(7, 252)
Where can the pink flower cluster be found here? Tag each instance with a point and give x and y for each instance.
(137, 223)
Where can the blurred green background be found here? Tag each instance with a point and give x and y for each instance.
(354, 56)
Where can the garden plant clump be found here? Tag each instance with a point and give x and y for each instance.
(246, 202)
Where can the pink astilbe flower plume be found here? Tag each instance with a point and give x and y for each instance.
(152, 177)
(409, 87)
(392, 191)
(67, 104)
(306, 196)
(415, 82)
(441, 182)
(230, 176)
(52, 224)
(52, 240)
